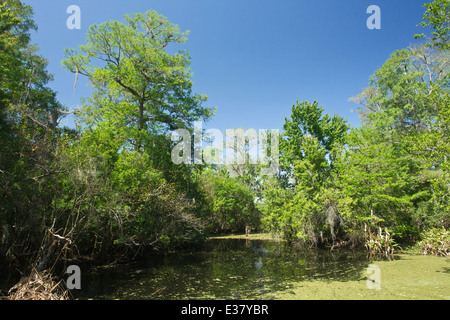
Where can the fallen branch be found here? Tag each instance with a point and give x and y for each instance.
(38, 286)
(60, 237)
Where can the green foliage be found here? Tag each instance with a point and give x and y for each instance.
(435, 241)
(140, 91)
(380, 243)
(307, 120)
(437, 17)
(29, 114)
(380, 178)
(307, 210)
(400, 95)
(228, 203)
(110, 186)
(275, 200)
(399, 156)
(390, 174)
(136, 81)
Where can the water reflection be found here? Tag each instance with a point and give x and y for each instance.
(223, 269)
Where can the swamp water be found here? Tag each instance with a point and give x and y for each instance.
(263, 269)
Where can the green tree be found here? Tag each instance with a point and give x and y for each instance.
(307, 120)
(298, 210)
(140, 93)
(136, 79)
(15, 25)
(407, 104)
(229, 205)
(382, 183)
(399, 95)
(435, 143)
(29, 117)
(437, 18)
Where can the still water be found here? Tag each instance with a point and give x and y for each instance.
(264, 269)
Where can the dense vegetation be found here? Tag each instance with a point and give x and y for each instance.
(109, 187)
(384, 183)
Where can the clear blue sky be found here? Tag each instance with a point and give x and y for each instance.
(253, 58)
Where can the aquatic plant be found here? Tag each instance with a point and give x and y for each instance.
(380, 242)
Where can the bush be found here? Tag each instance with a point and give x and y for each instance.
(435, 242)
(380, 243)
(229, 205)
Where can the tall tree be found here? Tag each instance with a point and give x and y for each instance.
(399, 93)
(404, 110)
(29, 116)
(136, 78)
(308, 121)
(436, 141)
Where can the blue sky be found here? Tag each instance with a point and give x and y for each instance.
(253, 58)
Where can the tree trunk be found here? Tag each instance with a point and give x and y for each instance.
(141, 124)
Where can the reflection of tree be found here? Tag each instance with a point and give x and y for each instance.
(232, 269)
(299, 265)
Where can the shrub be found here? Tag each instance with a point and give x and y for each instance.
(380, 243)
(435, 242)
